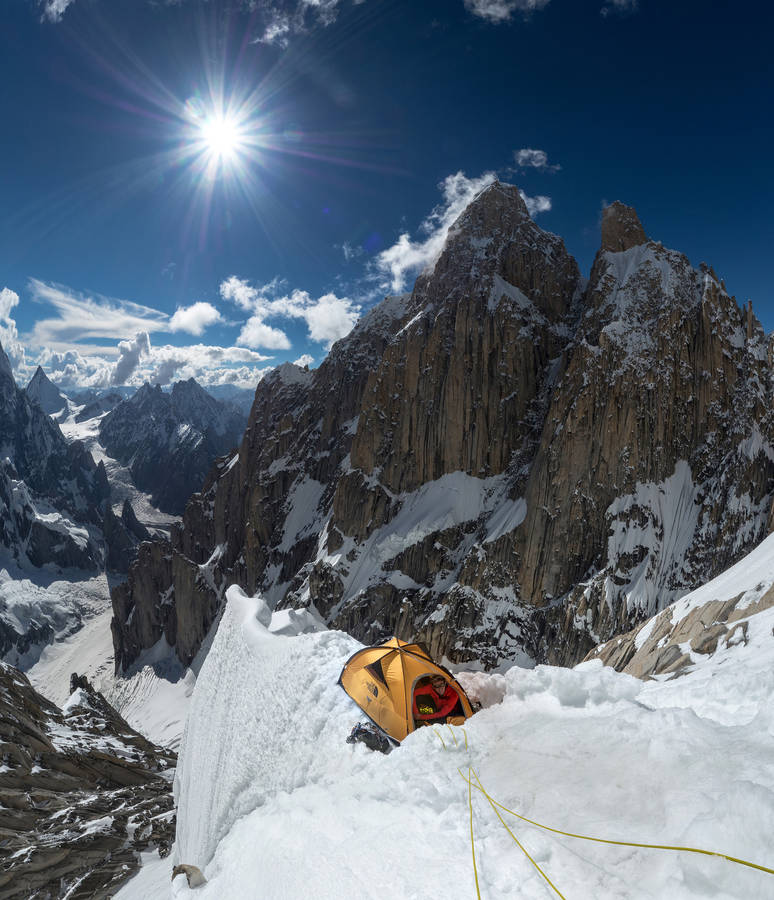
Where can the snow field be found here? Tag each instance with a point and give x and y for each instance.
(274, 803)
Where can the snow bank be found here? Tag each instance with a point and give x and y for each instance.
(273, 802)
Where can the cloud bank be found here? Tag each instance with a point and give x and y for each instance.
(328, 318)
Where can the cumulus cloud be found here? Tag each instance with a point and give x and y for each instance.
(535, 205)
(502, 10)
(527, 158)
(327, 318)
(330, 318)
(129, 354)
(208, 364)
(9, 336)
(303, 360)
(239, 292)
(408, 256)
(256, 333)
(194, 319)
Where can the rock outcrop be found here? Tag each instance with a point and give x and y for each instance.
(508, 463)
(123, 535)
(81, 794)
(170, 441)
(684, 634)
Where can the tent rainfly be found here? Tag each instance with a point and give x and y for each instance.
(382, 681)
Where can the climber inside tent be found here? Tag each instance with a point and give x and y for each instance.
(393, 682)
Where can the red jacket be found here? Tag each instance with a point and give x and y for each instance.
(443, 703)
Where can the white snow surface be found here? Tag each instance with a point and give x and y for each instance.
(274, 803)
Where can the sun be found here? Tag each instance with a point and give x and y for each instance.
(222, 137)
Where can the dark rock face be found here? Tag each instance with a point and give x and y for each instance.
(505, 462)
(81, 794)
(122, 537)
(169, 441)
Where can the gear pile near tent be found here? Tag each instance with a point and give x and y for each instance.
(382, 680)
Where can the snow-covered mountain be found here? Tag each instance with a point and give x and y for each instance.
(510, 463)
(170, 441)
(45, 393)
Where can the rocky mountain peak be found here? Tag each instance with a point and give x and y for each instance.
(621, 228)
(45, 393)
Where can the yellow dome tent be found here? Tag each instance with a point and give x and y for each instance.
(382, 679)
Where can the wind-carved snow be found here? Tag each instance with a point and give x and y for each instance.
(271, 798)
(302, 517)
(502, 288)
(660, 519)
(438, 505)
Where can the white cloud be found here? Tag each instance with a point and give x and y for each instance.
(502, 10)
(194, 319)
(81, 317)
(8, 299)
(239, 292)
(303, 360)
(408, 256)
(9, 336)
(53, 10)
(527, 158)
(256, 333)
(535, 205)
(285, 18)
(130, 353)
(208, 364)
(330, 319)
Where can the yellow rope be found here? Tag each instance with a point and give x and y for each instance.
(583, 837)
(454, 738)
(518, 842)
(440, 738)
(472, 843)
(466, 738)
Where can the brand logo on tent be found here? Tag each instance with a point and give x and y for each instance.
(372, 688)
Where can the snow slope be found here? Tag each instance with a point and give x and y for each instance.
(274, 803)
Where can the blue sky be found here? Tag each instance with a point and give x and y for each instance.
(201, 188)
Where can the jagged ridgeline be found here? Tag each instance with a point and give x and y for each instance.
(507, 462)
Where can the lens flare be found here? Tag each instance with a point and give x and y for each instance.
(222, 136)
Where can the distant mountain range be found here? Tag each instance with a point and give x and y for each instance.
(170, 441)
(56, 515)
